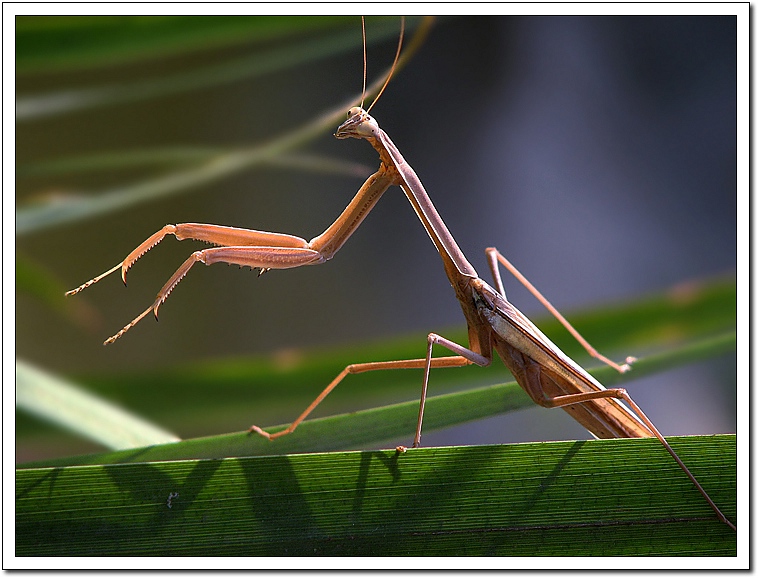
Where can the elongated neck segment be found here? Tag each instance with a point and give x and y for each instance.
(361, 125)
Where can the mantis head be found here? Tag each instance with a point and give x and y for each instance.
(359, 124)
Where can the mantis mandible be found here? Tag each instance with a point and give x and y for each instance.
(549, 377)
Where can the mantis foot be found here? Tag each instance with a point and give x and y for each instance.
(256, 429)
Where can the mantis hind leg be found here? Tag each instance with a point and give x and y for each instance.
(620, 393)
(494, 257)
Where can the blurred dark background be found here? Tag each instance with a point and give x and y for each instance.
(597, 153)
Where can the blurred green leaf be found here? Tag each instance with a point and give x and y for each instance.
(55, 43)
(599, 498)
(221, 395)
(295, 52)
(374, 426)
(67, 207)
(176, 156)
(61, 402)
(37, 282)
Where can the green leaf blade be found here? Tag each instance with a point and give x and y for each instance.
(608, 497)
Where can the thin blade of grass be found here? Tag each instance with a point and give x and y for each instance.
(374, 426)
(53, 399)
(218, 395)
(164, 157)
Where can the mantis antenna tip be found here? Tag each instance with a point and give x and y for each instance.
(363, 32)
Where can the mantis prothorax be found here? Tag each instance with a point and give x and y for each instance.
(548, 376)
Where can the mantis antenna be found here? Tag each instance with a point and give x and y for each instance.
(394, 63)
(363, 32)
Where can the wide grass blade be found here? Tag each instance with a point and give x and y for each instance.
(598, 498)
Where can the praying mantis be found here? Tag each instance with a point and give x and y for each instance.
(547, 375)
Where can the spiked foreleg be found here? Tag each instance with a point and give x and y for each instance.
(214, 234)
(256, 249)
(255, 257)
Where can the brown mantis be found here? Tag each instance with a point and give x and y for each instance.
(547, 375)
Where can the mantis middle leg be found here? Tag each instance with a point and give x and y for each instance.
(465, 357)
